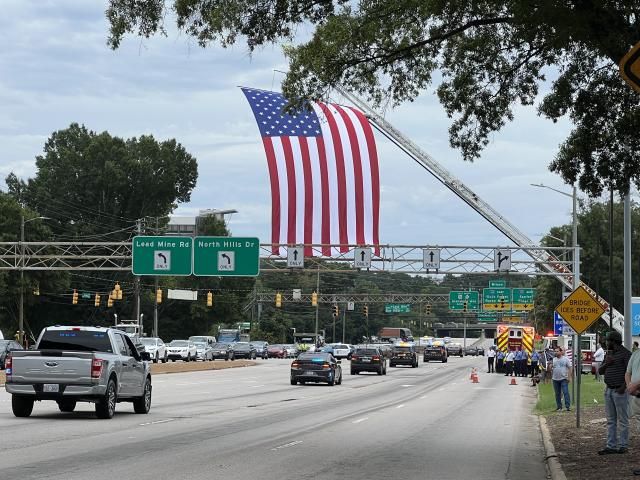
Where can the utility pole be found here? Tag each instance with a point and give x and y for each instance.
(318, 305)
(155, 304)
(627, 272)
(344, 320)
(21, 308)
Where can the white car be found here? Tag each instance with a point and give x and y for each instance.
(340, 350)
(204, 351)
(182, 350)
(156, 348)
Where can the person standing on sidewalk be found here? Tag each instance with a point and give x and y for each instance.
(561, 376)
(616, 399)
(535, 359)
(500, 362)
(598, 358)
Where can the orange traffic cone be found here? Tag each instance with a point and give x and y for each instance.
(513, 381)
(475, 378)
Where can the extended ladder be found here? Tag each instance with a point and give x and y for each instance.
(546, 261)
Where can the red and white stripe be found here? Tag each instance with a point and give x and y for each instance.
(326, 190)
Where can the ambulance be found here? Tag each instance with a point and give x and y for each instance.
(587, 347)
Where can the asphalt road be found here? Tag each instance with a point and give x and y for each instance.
(424, 423)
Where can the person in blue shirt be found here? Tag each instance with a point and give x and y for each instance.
(535, 360)
(500, 362)
(517, 360)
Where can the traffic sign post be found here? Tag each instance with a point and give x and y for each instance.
(458, 298)
(226, 256)
(397, 308)
(431, 259)
(161, 255)
(362, 257)
(295, 256)
(630, 67)
(496, 299)
(523, 298)
(580, 310)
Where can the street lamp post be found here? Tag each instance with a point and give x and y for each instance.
(21, 307)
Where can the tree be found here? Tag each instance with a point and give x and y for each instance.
(96, 183)
(487, 56)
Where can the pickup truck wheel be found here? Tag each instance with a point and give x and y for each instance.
(155, 360)
(67, 405)
(143, 404)
(21, 406)
(106, 406)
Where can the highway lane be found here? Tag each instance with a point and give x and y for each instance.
(429, 422)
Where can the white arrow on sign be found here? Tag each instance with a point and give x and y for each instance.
(362, 257)
(502, 259)
(431, 258)
(295, 256)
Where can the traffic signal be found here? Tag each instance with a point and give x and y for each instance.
(464, 306)
(501, 303)
(75, 297)
(117, 292)
(314, 299)
(334, 310)
(365, 310)
(428, 309)
(96, 301)
(159, 295)
(110, 302)
(209, 299)
(278, 300)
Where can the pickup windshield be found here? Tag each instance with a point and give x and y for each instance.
(75, 340)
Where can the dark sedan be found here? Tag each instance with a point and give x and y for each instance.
(454, 349)
(368, 360)
(277, 351)
(471, 351)
(222, 350)
(316, 367)
(7, 346)
(244, 350)
(261, 349)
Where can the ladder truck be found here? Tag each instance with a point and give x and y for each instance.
(544, 259)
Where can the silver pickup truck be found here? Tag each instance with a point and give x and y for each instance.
(79, 364)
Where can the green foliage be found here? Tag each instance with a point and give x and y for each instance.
(591, 395)
(482, 57)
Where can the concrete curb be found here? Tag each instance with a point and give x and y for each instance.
(551, 457)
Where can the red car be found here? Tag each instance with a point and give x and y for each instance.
(277, 351)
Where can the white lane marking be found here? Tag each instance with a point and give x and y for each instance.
(441, 389)
(287, 445)
(256, 386)
(423, 397)
(407, 386)
(360, 420)
(400, 406)
(157, 421)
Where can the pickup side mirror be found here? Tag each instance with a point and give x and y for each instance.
(145, 356)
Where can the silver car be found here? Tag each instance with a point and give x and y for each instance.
(156, 348)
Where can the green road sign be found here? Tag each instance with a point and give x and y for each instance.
(497, 284)
(496, 299)
(161, 255)
(397, 308)
(86, 295)
(457, 299)
(226, 256)
(244, 325)
(523, 298)
(487, 316)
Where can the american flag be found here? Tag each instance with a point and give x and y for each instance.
(323, 168)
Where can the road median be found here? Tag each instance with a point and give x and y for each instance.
(180, 367)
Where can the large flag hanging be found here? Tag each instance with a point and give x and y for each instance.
(323, 167)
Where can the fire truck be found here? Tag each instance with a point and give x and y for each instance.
(587, 347)
(510, 337)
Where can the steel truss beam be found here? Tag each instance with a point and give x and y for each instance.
(357, 298)
(116, 256)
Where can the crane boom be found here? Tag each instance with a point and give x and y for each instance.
(546, 260)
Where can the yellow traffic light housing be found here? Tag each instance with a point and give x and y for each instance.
(335, 310)
(96, 301)
(365, 310)
(428, 309)
(110, 302)
(314, 299)
(464, 306)
(159, 295)
(74, 299)
(278, 300)
(209, 299)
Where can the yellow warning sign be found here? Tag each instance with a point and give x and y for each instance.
(580, 310)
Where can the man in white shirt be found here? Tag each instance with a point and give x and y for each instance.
(598, 358)
(491, 356)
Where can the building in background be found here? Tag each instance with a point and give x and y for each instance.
(183, 225)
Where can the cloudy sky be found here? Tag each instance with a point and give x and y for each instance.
(55, 69)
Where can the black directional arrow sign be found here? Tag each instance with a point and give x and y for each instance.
(431, 259)
(295, 257)
(362, 257)
(502, 260)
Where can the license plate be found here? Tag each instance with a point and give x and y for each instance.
(51, 388)
(366, 360)
(310, 373)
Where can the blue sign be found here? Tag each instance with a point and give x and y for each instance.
(635, 315)
(558, 324)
